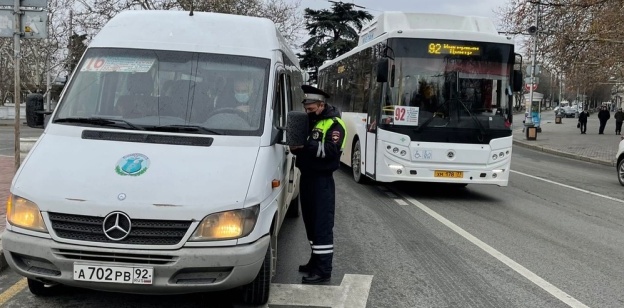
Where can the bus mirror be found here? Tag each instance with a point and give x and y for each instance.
(297, 128)
(382, 70)
(392, 77)
(517, 81)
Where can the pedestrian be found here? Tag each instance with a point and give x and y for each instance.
(619, 118)
(582, 121)
(317, 160)
(603, 115)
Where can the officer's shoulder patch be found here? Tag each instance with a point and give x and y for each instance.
(335, 136)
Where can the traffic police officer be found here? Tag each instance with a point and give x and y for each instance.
(317, 160)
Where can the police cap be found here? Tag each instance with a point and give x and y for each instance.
(313, 94)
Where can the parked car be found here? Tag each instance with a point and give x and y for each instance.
(619, 157)
(571, 111)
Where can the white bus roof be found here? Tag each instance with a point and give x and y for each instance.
(202, 32)
(425, 25)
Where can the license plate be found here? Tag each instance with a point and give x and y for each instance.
(448, 174)
(113, 274)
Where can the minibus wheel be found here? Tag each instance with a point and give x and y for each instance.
(257, 292)
(39, 288)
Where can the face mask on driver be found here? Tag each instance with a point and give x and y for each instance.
(242, 97)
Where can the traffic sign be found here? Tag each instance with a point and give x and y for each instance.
(527, 86)
(33, 24)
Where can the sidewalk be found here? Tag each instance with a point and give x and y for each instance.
(11, 122)
(566, 140)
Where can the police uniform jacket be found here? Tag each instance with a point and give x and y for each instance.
(321, 152)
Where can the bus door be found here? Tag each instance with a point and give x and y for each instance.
(373, 118)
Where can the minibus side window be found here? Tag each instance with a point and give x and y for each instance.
(280, 102)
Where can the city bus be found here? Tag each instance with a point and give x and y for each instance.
(426, 98)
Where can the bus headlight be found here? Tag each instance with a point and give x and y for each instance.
(24, 214)
(227, 225)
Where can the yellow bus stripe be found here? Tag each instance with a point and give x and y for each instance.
(12, 291)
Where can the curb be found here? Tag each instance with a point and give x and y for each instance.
(12, 124)
(564, 154)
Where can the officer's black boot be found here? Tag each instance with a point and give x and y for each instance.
(308, 267)
(322, 270)
(314, 278)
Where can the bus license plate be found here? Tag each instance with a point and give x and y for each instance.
(448, 174)
(113, 274)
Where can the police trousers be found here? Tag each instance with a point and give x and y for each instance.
(318, 196)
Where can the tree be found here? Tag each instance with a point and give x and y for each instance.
(583, 39)
(332, 33)
(75, 49)
(67, 17)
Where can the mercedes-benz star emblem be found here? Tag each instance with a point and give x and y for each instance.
(116, 226)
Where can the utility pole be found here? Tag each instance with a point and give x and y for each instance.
(529, 121)
(17, 96)
(30, 23)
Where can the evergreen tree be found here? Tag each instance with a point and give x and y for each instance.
(332, 33)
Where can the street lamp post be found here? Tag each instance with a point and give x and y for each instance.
(533, 30)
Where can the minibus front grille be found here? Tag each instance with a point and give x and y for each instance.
(143, 231)
(131, 258)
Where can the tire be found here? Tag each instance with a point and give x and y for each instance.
(620, 171)
(293, 208)
(257, 292)
(39, 288)
(356, 163)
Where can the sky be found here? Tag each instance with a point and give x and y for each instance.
(483, 8)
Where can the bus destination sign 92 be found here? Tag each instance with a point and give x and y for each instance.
(453, 49)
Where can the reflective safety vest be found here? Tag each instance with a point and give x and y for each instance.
(324, 126)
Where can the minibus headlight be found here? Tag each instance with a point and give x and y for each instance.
(24, 214)
(227, 225)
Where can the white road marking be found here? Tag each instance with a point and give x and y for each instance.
(568, 186)
(352, 292)
(400, 201)
(391, 195)
(545, 285)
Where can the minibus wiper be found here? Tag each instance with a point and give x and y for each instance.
(100, 121)
(183, 128)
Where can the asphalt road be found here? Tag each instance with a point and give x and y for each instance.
(553, 238)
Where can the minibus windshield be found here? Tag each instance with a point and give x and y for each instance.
(156, 90)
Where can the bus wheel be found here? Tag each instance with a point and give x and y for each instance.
(356, 163)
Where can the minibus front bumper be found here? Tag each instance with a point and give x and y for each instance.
(185, 270)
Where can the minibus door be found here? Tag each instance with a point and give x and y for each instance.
(283, 104)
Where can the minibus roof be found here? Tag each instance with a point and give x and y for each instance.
(203, 32)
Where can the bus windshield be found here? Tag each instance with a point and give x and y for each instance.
(448, 85)
(170, 91)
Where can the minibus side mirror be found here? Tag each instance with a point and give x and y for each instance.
(382, 70)
(296, 128)
(517, 81)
